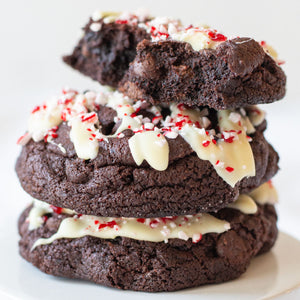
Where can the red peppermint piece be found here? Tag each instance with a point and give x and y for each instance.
(165, 219)
(156, 119)
(110, 224)
(37, 108)
(121, 21)
(44, 218)
(205, 143)
(24, 139)
(216, 37)
(90, 119)
(263, 43)
(197, 240)
(153, 223)
(270, 183)
(229, 169)
(141, 220)
(229, 140)
(56, 209)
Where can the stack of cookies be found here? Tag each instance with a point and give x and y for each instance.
(163, 180)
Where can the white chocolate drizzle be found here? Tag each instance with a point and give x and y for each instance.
(162, 28)
(39, 209)
(265, 194)
(199, 38)
(256, 115)
(150, 229)
(232, 155)
(245, 204)
(228, 151)
(153, 230)
(43, 118)
(85, 146)
(151, 146)
(165, 28)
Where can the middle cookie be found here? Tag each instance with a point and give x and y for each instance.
(102, 154)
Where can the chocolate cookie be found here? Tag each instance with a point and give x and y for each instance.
(148, 266)
(104, 55)
(175, 64)
(236, 73)
(97, 174)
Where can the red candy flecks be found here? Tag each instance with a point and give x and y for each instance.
(56, 209)
(121, 21)
(205, 143)
(110, 224)
(51, 133)
(90, 119)
(165, 219)
(216, 37)
(270, 183)
(195, 241)
(141, 220)
(229, 169)
(39, 107)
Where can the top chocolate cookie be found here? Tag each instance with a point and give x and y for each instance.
(171, 63)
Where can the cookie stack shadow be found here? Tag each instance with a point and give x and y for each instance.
(162, 181)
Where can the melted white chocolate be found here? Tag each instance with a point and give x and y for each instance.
(46, 117)
(198, 39)
(151, 146)
(107, 16)
(128, 123)
(232, 161)
(228, 151)
(223, 155)
(245, 204)
(153, 230)
(265, 194)
(256, 115)
(39, 209)
(85, 145)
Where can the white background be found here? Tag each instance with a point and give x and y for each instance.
(35, 34)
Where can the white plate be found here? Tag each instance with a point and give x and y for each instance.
(269, 275)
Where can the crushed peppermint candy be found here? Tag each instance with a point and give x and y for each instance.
(182, 235)
(95, 27)
(81, 112)
(235, 117)
(197, 237)
(229, 169)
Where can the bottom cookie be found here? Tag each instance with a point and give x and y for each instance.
(138, 265)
